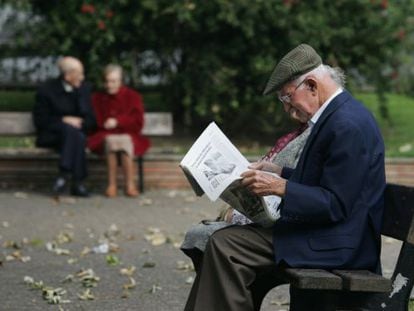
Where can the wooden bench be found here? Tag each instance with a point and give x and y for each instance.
(322, 290)
(21, 124)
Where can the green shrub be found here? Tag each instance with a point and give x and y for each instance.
(16, 100)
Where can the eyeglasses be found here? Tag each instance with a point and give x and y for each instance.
(286, 99)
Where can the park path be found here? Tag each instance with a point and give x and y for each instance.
(143, 233)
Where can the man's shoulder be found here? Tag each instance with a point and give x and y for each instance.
(49, 86)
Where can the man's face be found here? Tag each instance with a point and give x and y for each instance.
(302, 103)
(113, 82)
(75, 76)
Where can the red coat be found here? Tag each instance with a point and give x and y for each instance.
(127, 108)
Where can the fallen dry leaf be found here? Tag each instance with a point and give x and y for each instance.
(149, 264)
(69, 278)
(17, 255)
(50, 294)
(54, 295)
(132, 284)
(88, 278)
(128, 271)
(155, 288)
(64, 237)
(12, 244)
(185, 266)
(113, 231)
(85, 251)
(52, 247)
(156, 237)
(86, 295)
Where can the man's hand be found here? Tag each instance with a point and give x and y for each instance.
(73, 121)
(266, 166)
(262, 183)
(110, 123)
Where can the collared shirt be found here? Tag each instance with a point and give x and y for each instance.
(67, 87)
(321, 109)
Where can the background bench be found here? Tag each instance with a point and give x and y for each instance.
(21, 124)
(322, 290)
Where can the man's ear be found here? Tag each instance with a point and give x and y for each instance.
(312, 84)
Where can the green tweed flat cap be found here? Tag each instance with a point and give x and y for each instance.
(298, 61)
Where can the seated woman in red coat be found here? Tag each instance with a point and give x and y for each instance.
(120, 119)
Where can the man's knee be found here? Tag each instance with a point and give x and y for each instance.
(221, 239)
(73, 133)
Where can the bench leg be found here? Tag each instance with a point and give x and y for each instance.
(312, 300)
(140, 162)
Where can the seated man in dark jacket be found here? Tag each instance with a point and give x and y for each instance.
(332, 202)
(62, 115)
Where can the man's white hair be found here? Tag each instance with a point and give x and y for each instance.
(335, 73)
(68, 63)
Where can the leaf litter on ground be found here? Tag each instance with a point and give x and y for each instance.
(185, 266)
(88, 278)
(86, 295)
(112, 260)
(128, 271)
(53, 248)
(53, 295)
(155, 236)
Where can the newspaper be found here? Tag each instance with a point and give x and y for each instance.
(213, 166)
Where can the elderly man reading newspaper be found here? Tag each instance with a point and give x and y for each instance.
(332, 202)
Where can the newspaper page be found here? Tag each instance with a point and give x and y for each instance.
(213, 164)
(260, 209)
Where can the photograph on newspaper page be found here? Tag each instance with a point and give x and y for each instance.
(213, 166)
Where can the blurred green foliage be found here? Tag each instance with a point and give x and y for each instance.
(397, 133)
(13, 100)
(213, 57)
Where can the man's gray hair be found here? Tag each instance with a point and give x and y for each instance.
(335, 73)
(111, 68)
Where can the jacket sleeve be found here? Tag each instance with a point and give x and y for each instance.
(133, 119)
(287, 172)
(43, 116)
(86, 110)
(343, 171)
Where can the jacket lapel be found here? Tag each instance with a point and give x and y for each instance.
(332, 107)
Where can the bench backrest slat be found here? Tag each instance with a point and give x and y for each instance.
(398, 213)
(20, 123)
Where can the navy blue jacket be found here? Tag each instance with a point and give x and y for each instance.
(332, 211)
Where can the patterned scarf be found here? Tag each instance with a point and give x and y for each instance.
(283, 141)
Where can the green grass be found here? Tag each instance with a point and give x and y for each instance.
(17, 142)
(411, 306)
(399, 135)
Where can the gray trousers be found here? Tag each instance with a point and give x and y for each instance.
(234, 272)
